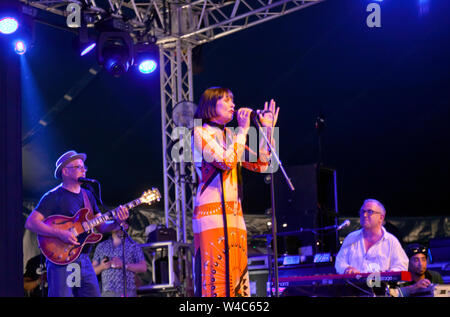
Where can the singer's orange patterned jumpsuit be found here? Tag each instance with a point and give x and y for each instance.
(214, 158)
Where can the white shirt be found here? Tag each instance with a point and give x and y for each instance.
(385, 255)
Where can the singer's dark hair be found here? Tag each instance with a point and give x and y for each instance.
(206, 109)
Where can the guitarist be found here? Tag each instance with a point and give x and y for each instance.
(78, 279)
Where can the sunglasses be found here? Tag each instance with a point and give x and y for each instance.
(416, 250)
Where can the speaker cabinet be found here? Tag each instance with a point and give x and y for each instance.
(312, 205)
(258, 282)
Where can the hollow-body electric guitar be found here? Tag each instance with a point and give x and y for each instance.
(82, 225)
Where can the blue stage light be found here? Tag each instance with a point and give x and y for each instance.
(88, 49)
(146, 58)
(8, 25)
(147, 66)
(20, 47)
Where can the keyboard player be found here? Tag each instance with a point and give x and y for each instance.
(371, 248)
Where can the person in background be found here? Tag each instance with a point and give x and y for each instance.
(371, 248)
(107, 261)
(35, 277)
(422, 278)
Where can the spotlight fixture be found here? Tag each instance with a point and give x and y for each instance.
(88, 48)
(17, 25)
(115, 52)
(86, 42)
(20, 47)
(8, 25)
(147, 66)
(10, 17)
(147, 56)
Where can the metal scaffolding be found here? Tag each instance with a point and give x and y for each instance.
(178, 27)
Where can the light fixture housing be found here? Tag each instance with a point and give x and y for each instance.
(115, 52)
(20, 47)
(147, 57)
(8, 25)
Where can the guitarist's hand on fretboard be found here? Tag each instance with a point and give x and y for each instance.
(122, 214)
(119, 214)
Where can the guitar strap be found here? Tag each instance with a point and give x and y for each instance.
(87, 203)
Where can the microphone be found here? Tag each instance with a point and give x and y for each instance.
(254, 113)
(87, 180)
(346, 223)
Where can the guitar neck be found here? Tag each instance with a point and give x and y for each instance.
(112, 214)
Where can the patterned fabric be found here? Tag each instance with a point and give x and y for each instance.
(112, 278)
(214, 235)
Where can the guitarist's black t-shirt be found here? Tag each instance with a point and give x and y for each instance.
(60, 201)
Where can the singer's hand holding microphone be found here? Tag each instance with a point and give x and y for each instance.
(243, 117)
(268, 117)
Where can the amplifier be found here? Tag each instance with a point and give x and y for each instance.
(258, 282)
(434, 290)
(161, 233)
(258, 262)
(441, 291)
(258, 271)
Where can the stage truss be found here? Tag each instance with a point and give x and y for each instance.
(178, 27)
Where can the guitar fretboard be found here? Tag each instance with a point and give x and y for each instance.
(110, 215)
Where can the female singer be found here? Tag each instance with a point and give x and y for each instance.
(220, 234)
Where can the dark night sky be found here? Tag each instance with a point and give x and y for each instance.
(385, 94)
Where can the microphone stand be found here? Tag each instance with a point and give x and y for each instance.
(122, 228)
(272, 198)
(320, 126)
(314, 230)
(124, 270)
